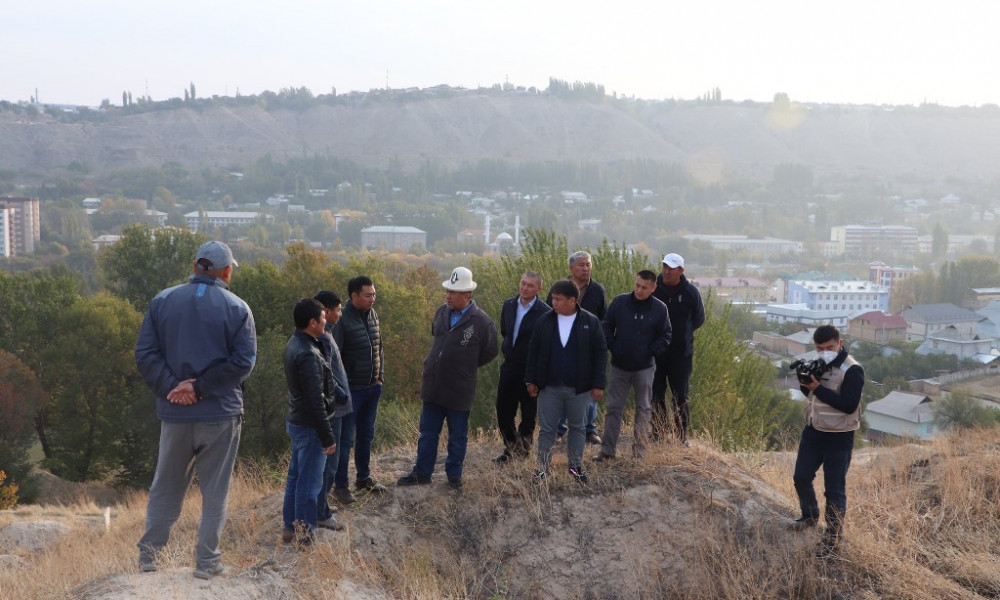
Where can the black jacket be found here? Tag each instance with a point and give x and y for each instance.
(594, 300)
(636, 331)
(516, 353)
(687, 313)
(310, 386)
(359, 337)
(456, 353)
(591, 351)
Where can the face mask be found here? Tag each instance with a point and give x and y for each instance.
(828, 356)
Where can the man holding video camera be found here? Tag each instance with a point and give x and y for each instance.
(833, 414)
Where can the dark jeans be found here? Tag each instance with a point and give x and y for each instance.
(512, 395)
(359, 433)
(674, 371)
(833, 452)
(432, 419)
(305, 477)
(330, 471)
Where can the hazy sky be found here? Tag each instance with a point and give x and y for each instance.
(854, 51)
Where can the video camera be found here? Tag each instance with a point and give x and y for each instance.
(805, 370)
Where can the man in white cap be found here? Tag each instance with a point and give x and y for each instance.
(465, 338)
(673, 367)
(196, 346)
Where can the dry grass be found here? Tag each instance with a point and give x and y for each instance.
(696, 524)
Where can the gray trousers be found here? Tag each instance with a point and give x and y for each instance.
(616, 396)
(553, 403)
(208, 448)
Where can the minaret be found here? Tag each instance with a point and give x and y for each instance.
(486, 236)
(517, 230)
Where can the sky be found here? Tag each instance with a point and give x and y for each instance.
(848, 51)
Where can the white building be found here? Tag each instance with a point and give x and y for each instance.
(766, 246)
(199, 219)
(852, 296)
(6, 216)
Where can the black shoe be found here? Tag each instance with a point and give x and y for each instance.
(503, 457)
(803, 523)
(593, 438)
(413, 479)
(371, 485)
(539, 476)
(455, 483)
(578, 475)
(602, 457)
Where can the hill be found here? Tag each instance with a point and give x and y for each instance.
(713, 140)
(685, 523)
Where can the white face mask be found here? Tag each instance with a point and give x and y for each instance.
(828, 356)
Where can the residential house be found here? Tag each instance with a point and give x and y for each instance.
(738, 290)
(923, 320)
(802, 314)
(977, 298)
(957, 343)
(788, 345)
(876, 326)
(900, 415)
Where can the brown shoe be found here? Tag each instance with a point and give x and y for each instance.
(593, 438)
(344, 495)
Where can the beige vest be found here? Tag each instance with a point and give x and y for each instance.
(824, 417)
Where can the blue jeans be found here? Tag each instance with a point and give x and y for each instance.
(832, 451)
(432, 419)
(305, 477)
(330, 471)
(359, 433)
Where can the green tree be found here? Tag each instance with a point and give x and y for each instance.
(959, 410)
(92, 381)
(939, 242)
(146, 260)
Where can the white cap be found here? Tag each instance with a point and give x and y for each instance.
(673, 260)
(460, 281)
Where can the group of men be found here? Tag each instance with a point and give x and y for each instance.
(555, 356)
(197, 344)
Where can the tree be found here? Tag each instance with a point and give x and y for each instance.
(146, 260)
(20, 397)
(939, 242)
(959, 410)
(93, 382)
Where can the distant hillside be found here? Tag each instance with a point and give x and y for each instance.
(714, 141)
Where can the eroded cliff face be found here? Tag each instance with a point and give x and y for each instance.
(722, 140)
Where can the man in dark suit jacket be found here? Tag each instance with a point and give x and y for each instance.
(517, 320)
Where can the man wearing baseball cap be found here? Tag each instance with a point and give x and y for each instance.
(465, 338)
(196, 346)
(673, 367)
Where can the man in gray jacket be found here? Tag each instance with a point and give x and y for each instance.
(465, 338)
(196, 345)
